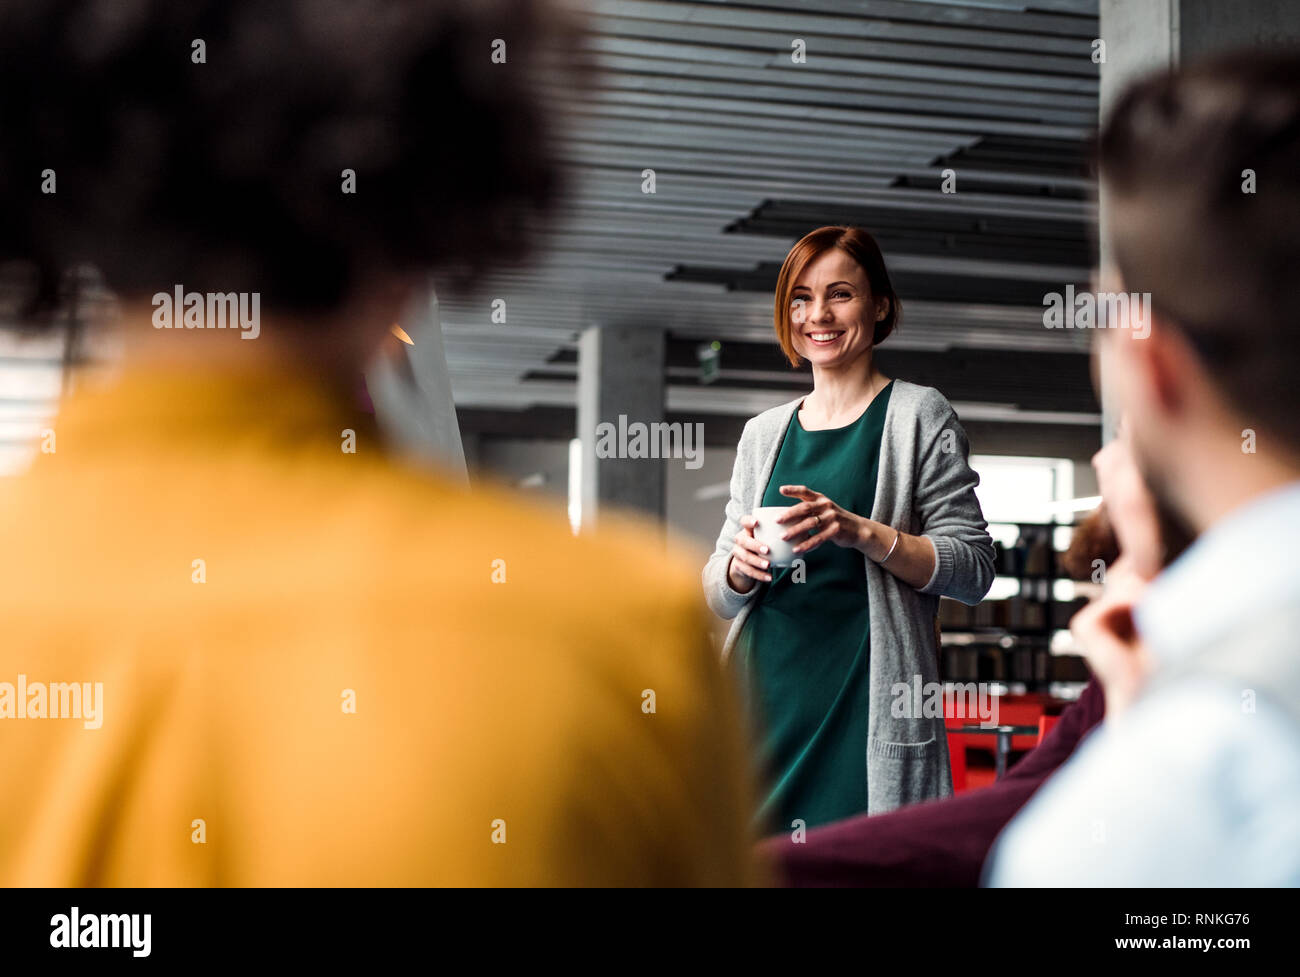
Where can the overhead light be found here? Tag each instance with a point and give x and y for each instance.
(400, 333)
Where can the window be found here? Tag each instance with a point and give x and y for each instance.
(1015, 490)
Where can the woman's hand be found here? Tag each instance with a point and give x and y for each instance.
(911, 558)
(748, 561)
(830, 522)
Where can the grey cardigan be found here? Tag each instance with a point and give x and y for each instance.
(925, 487)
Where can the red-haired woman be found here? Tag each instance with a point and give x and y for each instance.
(831, 648)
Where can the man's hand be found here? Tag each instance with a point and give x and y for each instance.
(1105, 631)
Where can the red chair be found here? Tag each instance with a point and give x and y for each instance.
(1020, 710)
(1013, 710)
(957, 758)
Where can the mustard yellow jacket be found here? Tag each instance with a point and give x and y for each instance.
(318, 668)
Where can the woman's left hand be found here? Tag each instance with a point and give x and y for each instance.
(832, 523)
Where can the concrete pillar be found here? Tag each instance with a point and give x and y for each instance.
(410, 387)
(620, 372)
(472, 444)
(1149, 35)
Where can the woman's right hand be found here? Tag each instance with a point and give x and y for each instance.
(748, 560)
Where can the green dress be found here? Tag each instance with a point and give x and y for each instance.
(803, 652)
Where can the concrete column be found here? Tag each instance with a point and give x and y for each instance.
(472, 444)
(410, 387)
(620, 372)
(1149, 35)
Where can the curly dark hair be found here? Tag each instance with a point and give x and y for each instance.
(227, 174)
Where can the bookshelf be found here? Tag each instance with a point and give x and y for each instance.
(1010, 640)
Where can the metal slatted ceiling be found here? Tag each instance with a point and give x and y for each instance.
(750, 151)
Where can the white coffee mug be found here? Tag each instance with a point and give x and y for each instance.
(769, 532)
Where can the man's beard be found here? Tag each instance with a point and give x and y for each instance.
(1176, 530)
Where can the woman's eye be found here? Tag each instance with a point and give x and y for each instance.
(839, 291)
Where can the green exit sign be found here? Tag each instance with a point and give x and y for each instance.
(708, 356)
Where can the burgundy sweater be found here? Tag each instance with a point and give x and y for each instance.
(938, 843)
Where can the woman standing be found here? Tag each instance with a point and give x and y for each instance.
(877, 468)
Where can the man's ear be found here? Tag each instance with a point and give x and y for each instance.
(1165, 364)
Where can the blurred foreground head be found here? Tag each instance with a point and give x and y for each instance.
(217, 144)
(1200, 169)
(232, 700)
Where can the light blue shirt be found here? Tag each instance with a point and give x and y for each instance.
(1186, 788)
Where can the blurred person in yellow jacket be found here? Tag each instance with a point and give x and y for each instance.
(240, 646)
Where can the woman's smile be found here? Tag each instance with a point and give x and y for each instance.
(825, 337)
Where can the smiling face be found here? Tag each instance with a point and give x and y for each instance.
(833, 314)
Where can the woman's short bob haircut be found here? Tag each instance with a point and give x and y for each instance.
(858, 245)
